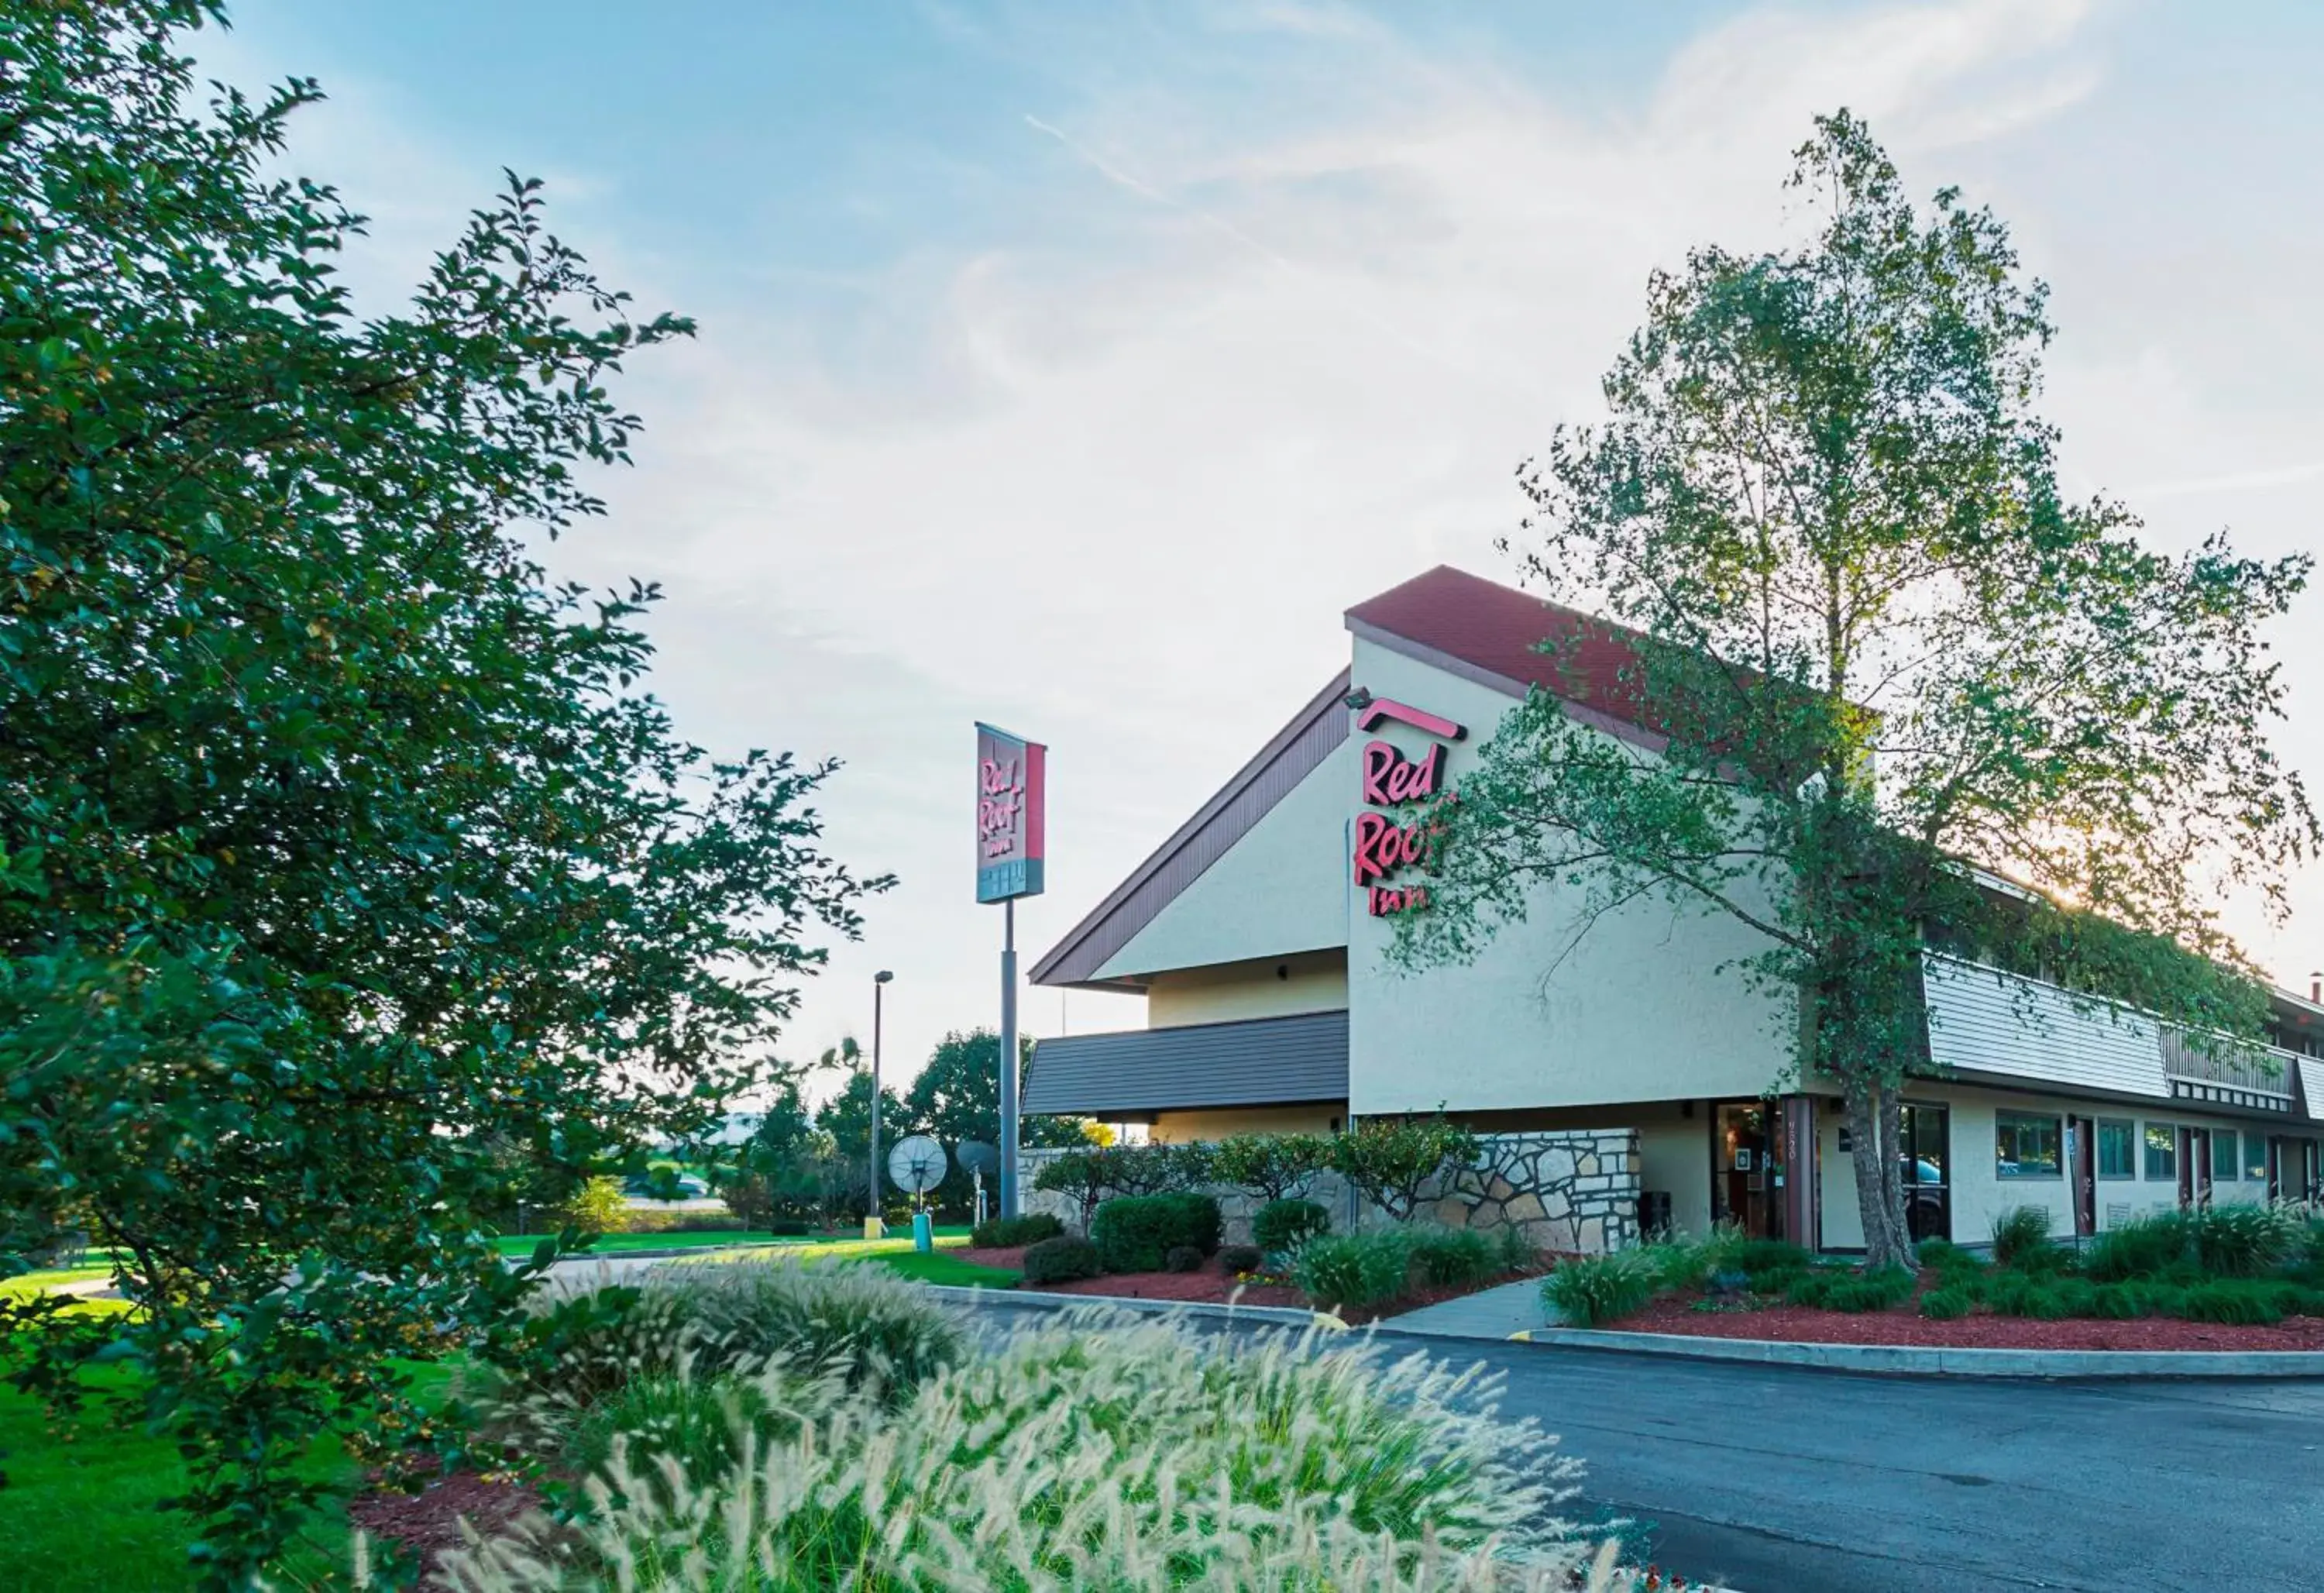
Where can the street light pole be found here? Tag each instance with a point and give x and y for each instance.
(872, 1225)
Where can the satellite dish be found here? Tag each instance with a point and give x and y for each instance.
(976, 1156)
(917, 1164)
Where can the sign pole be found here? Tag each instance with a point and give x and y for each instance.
(1009, 1058)
(1012, 845)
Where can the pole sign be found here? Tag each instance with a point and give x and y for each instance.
(1010, 776)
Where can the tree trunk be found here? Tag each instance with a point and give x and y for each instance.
(1892, 1172)
(1873, 1125)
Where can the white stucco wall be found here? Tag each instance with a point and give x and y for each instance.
(1633, 1012)
(1274, 986)
(1275, 890)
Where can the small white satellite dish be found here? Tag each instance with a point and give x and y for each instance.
(917, 1164)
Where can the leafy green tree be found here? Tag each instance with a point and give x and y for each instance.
(846, 1118)
(785, 1129)
(1271, 1166)
(956, 1096)
(341, 850)
(1876, 645)
(1391, 1162)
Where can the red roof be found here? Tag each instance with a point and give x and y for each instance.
(1501, 630)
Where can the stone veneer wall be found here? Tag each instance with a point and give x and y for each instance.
(1574, 1191)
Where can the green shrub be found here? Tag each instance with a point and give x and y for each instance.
(1281, 1226)
(1456, 1257)
(1137, 1233)
(1516, 1248)
(1589, 1291)
(595, 1207)
(1006, 1233)
(1237, 1260)
(1183, 1258)
(697, 1424)
(1763, 1259)
(2239, 1303)
(2150, 1246)
(1812, 1288)
(1680, 1262)
(1945, 1305)
(1063, 1258)
(1155, 1168)
(861, 1328)
(1270, 1166)
(1943, 1255)
(1393, 1161)
(1359, 1269)
(787, 1227)
(1307, 1462)
(581, 1341)
(877, 1329)
(2122, 1302)
(2021, 1236)
(1872, 1291)
(2241, 1240)
(2046, 1298)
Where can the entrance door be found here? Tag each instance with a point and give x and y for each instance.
(2194, 1167)
(1924, 1147)
(2274, 1168)
(2082, 1156)
(1743, 1189)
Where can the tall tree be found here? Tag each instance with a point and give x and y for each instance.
(341, 851)
(1875, 645)
(958, 1097)
(846, 1119)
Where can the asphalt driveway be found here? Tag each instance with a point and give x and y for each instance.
(1793, 1480)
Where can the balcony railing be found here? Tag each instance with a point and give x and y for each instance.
(2243, 1067)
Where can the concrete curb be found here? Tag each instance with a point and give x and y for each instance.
(1276, 1315)
(1915, 1360)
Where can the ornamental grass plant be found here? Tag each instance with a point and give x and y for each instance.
(588, 1342)
(1093, 1452)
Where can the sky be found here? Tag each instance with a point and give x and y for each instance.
(1075, 368)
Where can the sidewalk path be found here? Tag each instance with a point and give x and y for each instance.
(1489, 1313)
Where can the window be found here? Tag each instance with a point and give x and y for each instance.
(2255, 1156)
(2025, 1146)
(2161, 1151)
(2117, 1148)
(2226, 1165)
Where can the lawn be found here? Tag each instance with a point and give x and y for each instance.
(82, 1510)
(939, 1268)
(522, 1245)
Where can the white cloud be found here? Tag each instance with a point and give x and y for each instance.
(1112, 484)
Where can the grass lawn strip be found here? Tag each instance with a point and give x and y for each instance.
(81, 1513)
(519, 1245)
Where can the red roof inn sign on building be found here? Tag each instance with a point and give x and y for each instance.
(1010, 777)
(1385, 847)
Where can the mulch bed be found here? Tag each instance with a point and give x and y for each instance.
(1978, 1330)
(1210, 1286)
(428, 1522)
